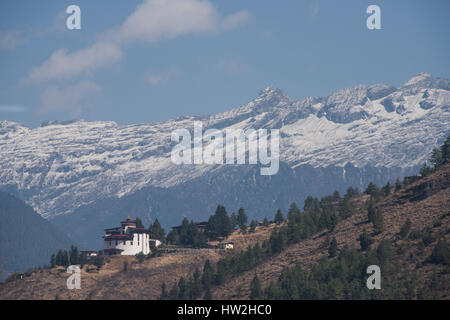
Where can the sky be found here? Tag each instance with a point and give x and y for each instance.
(153, 60)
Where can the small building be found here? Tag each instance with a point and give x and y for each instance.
(127, 240)
(201, 226)
(89, 253)
(226, 245)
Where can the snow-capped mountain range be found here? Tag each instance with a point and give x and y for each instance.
(59, 167)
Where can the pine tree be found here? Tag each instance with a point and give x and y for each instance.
(208, 275)
(139, 223)
(386, 189)
(255, 289)
(196, 287)
(252, 226)
(219, 224)
(404, 230)
(74, 256)
(53, 260)
(365, 241)
(164, 294)
(65, 259)
(445, 150)
(208, 294)
(182, 289)
(436, 158)
(332, 250)
(378, 223)
(174, 293)
(371, 189)
(242, 220)
(234, 220)
(279, 217)
(156, 231)
(441, 253)
(371, 212)
(332, 221)
(398, 185)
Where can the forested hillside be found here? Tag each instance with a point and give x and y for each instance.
(26, 239)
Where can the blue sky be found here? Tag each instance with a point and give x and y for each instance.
(147, 61)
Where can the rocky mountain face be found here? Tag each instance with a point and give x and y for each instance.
(88, 175)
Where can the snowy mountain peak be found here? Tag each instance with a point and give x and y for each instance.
(423, 76)
(65, 165)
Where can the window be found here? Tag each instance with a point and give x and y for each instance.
(131, 242)
(116, 242)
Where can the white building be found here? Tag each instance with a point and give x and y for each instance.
(127, 240)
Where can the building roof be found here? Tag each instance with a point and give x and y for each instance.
(122, 236)
(138, 230)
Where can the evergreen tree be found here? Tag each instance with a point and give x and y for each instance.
(351, 193)
(53, 260)
(336, 196)
(234, 220)
(219, 224)
(347, 209)
(332, 221)
(441, 253)
(196, 287)
(378, 223)
(174, 292)
(386, 189)
(255, 289)
(242, 220)
(266, 222)
(164, 294)
(252, 226)
(182, 289)
(156, 231)
(404, 230)
(208, 275)
(208, 294)
(332, 250)
(98, 261)
(425, 170)
(371, 212)
(279, 217)
(74, 256)
(436, 158)
(371, 189)
(365, 241)
(445, 150)
(398, 185)
(65, 259)
(139, 223)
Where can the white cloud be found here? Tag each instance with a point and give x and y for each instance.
(155, 20)
(152, 21)
(235, 20)
(70, 98)
(158, 79)
(64, 65)
(10, 39)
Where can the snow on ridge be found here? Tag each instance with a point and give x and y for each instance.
(76, 162)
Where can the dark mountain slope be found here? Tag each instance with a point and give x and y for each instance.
(26, 239)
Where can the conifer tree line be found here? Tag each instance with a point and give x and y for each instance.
(74, 257)
(341, 274)
(298, 225)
